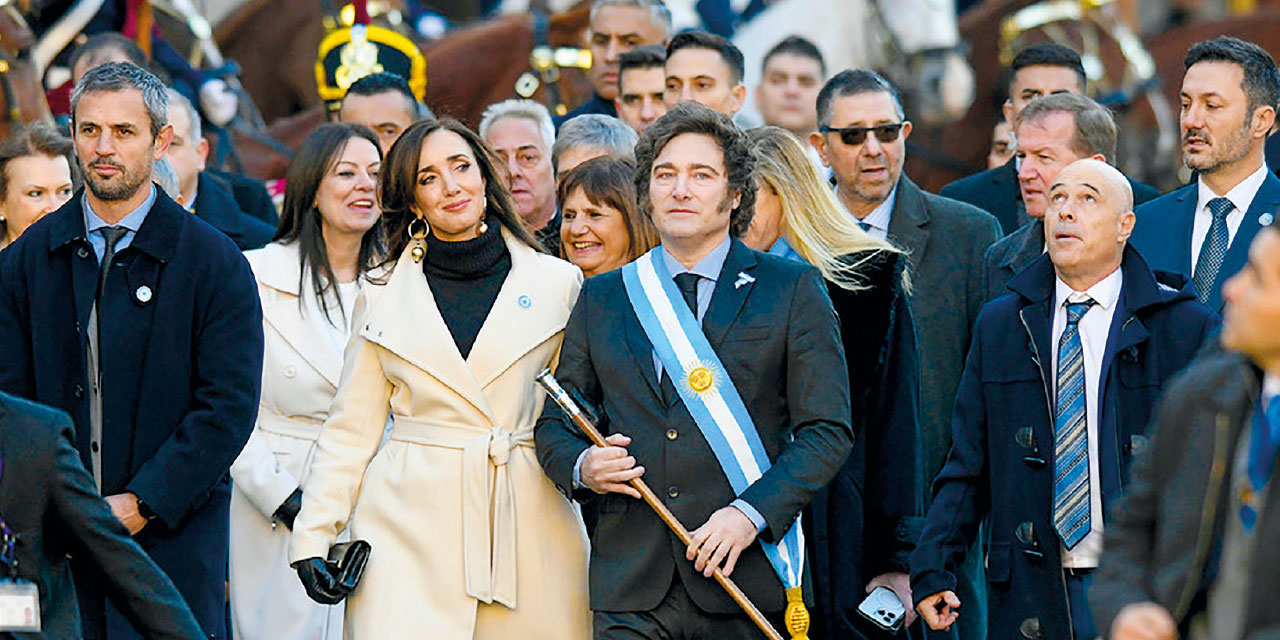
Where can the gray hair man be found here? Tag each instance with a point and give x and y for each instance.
(592, 136)
(521, 133)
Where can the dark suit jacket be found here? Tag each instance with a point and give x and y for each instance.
(48, 499)
(996, 191)
(1163, 232)
(182, 370)
(946, 240)
(595, 105)
(251, 195)
(1001, 463)
(779, 342)
(866, 522)
(1164, 535)
(216, 205)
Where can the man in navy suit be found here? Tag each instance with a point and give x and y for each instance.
(1229, 97)
(1057, 392)
(142, 322)
(770, 323)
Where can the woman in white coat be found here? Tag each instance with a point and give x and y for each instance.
(469, 538)
(308, 279)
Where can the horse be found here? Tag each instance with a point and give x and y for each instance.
(22, 98)
(916, 43)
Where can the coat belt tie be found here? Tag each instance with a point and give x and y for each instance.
(488, 501)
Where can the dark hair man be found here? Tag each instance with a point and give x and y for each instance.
(641, 84)
(105, 47)
(696, 176)
(1039, 70)
(202, 193)
(1223, 414)
(793, 72)
(705, 68)
(384, 103)
(1046, 419)
(1229, 97)
(143, 323)
(50, 504)
(616, 27)
(1052, 131)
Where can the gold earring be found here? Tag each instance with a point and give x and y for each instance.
(418, 237)
(484, 225)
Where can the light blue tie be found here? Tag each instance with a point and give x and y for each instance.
(1213, 250)
(1070, 435)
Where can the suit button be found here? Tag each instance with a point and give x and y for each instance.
(672, 434)
(290, 371)
(78, 392)
(673, 492)
(82, 253)
(94, 446)
(1030, 628)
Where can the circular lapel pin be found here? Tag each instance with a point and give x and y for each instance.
(1266, 219)
(524, 302)
(143, 294)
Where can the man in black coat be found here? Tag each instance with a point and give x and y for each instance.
(1195, 543)
(1052, 131)
(768, 320)
(1057, 391)
(49, 502)
(143, 323)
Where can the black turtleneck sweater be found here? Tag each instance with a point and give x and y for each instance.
(465, 278)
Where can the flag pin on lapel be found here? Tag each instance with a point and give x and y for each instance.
(143, 294)
(743, 279)
(1266, 219)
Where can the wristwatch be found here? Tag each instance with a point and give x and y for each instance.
(145, 511)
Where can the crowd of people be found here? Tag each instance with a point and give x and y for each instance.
(1043, 403)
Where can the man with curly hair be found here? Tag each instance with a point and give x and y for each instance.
(764, 335)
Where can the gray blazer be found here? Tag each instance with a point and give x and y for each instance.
(946, 240)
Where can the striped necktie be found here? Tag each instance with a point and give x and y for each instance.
(1070, 435)
(1214, 248)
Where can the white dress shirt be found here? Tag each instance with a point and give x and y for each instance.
(879, 217)
(1240, 195)
(1093, 329)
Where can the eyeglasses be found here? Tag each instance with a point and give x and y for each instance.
(854, 136)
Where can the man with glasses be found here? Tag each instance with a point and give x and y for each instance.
(861, 136)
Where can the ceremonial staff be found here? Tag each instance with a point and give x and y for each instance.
(557, 393)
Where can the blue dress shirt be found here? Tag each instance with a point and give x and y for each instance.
(131, 223)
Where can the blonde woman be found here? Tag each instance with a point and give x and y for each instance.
(469, 538)
(865, 522)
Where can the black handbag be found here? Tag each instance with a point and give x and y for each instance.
(347, 560)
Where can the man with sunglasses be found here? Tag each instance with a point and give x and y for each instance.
(861, 135)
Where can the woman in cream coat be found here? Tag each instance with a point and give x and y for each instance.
(327, 243)
(469, 538)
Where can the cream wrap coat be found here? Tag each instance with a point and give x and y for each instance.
(299, 378)
(470, 539)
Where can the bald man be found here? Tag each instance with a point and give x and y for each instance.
(1056, 394)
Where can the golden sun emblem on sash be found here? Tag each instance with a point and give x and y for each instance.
(701, 377)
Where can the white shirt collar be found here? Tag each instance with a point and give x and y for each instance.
(1270, 387)
(1105, 293)
(1240, 195)
(880, 216)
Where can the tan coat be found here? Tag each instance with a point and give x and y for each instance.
(470, 539)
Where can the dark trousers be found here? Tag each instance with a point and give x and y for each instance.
(678, 618)
(1081, 619)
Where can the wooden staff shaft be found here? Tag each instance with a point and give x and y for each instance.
(571, 409)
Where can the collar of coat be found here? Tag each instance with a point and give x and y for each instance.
(1142, 287)
(158, 236)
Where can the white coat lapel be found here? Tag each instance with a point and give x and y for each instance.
(406, 321)
(523, 316)
(277, 267)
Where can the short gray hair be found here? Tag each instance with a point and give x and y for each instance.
(1095, 130)
(517, 108)
(180, 101)
(122, 76)
(596, 132)
(162, 174)
(658, 11)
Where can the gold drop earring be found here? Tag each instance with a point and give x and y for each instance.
(484, 222)
(419, 237)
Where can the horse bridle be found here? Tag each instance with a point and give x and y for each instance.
(545, 62)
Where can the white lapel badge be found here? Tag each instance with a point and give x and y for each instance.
(743, 279)
(1266, 219)
(143, 294)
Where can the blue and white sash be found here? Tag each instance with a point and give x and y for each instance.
(707, 392)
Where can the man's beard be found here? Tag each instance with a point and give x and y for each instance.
(1221, 152)
(121, 187)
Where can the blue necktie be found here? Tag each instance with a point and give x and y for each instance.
(866, 226)
(1070, 435)
(1264, 442)
(1214, 248)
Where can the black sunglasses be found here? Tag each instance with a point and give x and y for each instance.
(854, 136)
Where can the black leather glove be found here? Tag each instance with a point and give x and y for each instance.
(319, 580)
(288, 510)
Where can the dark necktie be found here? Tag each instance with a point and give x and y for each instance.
(1214, 248)
(688, 285)
(1071, 434)
(112, 236)
(866, 226)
